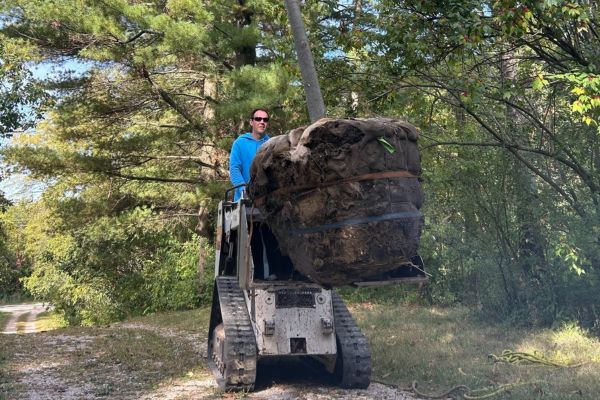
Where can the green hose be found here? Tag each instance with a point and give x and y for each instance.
(517, 357)
(507, 356)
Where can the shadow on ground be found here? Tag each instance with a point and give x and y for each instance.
(303, 371)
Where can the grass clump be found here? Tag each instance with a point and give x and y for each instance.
(49, 320)
(441, 348)
(191, 320)
(22, 322)
(4, 317)
(146, 352)
(392, 294)
(153, 349)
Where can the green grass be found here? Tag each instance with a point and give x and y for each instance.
(48, 321)
(22, 321)
(444, 347)
(191, 320)
(154, 358)
(4, 317)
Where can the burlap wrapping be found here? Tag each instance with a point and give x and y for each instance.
(321, 192)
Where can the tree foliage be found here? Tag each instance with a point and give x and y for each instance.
(22, 99)
(133, 146)
(9, 275)
(512, 151)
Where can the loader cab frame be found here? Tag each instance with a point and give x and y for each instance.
(246, 247)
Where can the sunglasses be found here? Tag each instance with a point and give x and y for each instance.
(258, 119)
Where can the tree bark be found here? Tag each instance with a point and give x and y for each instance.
(532, 263)
(245, 55)
(209, 90)
(314, 98)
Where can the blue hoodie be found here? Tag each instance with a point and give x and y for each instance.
(242, 153)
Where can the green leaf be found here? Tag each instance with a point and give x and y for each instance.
(390, 149)
(578, 107)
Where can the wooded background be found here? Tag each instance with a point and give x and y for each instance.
(124, 112)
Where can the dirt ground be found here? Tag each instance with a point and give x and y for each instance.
(121, 362)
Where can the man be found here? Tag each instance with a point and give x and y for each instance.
(244, 149)
(242, 153)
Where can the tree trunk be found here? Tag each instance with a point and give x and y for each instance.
(209, 91)
(354, 95)
(314, 98)
(537, 290)
(244, 55)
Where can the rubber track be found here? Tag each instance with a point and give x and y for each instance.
(353, 346)
(240, 344)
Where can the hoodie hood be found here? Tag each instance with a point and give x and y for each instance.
(248, 135)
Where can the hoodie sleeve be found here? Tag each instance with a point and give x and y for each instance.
(235, 164)
(235, 168)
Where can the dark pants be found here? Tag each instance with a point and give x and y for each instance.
(279, 265)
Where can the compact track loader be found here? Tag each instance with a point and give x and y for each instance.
(263, 308)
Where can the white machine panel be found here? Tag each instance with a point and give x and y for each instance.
(292, 320)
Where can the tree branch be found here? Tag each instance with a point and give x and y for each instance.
(153, 178)
(205, 98)
(170, 101)
(513, 150)
(196, 159)
(529, 165)
(572, 163)
(138, 35)
(216, 58)
(513, 147)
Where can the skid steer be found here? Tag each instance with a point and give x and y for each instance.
(262, 308)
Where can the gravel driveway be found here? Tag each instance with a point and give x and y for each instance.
(118, 362)
(16, 311)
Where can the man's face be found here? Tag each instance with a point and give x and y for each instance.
(259, 127)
